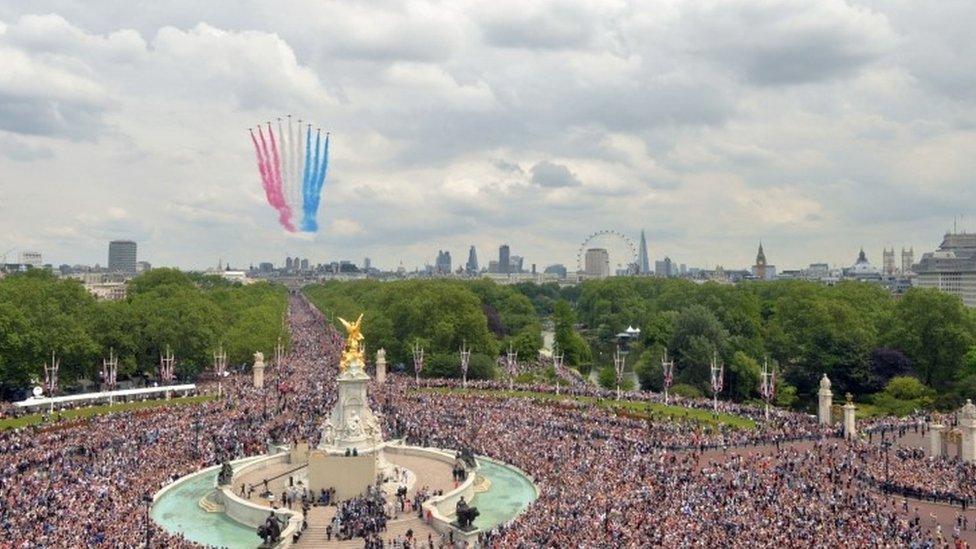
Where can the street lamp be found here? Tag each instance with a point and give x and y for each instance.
(767, 387)
(557, 364)
(718, 380)
(418, 360)
(511, 364)
(51, 377)
(148, 500)
(110, 368)
(668, 370)
(465, 357)
(619, 359)
(220, 367)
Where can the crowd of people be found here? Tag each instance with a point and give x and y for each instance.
(604, 480)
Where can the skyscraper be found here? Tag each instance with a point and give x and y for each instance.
(515, 264)
(122, 256)
(288, 263)
(504, 265)
(472, 265)
(643, 262)
(596, 263)
(443, 263)
(664, 268)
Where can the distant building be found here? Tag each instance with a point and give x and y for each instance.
(504, 259)
(557, 269)
(367, 264)
(862, 269)
(664, 268)
(472, 265)
(304, 264)
(443, 263)
(493, 267)
(515, 264)
(596, 263)
(759, 269)
(266, 267)
(288, 263)
(907, 261)
(643, 262)
(888, 262)
(143, 266)
(122, 256)
(951, 268)
(32, 259)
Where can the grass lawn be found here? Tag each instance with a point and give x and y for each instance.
(634, 408)
(78, 413)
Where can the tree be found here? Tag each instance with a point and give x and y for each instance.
(903, 395)
(697, 337)
(742, 377)
(935, 331)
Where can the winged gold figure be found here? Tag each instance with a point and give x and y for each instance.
(354, 344)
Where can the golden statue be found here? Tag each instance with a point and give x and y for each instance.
(354, 344)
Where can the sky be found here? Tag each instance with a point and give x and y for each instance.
(814, 127)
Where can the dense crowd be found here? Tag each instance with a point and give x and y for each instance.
(605, 480)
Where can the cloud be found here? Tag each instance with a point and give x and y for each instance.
(783, 42)
(709, 124)
(549, 174)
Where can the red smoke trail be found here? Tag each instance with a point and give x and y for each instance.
(274, 198)
(284, 211)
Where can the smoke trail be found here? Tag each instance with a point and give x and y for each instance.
(284, 212)
(308, 189)
(274, 196)
(262, 168)
(283, 151)
(296, 190)
(307, 173)
(317, 189)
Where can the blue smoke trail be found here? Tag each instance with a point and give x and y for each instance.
(307, 173)
(316, 196)
(309, 223)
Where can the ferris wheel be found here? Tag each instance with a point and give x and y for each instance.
(620, 249)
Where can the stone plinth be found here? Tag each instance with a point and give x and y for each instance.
(935, 440)
(381, 366)
(258, 370)
(826, 400)
(967, 426)
(351, 424)
(850, 429)
(350, 476)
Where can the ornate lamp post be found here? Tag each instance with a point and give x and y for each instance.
(718, 380)
(511, 364)
(109, 373)
(51, 377)
(619, 359)
(418, 360)
(668, 369)
(465, 357)
(220, 368)
(557, 364)
(148, 500)
(166, 363)
(767, 387)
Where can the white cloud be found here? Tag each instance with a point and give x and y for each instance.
(815, 126)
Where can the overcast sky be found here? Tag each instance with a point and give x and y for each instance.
(817, 127)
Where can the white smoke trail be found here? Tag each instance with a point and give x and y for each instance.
(283, 160)
(299, 168)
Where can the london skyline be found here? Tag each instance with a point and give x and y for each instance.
(834, 126)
